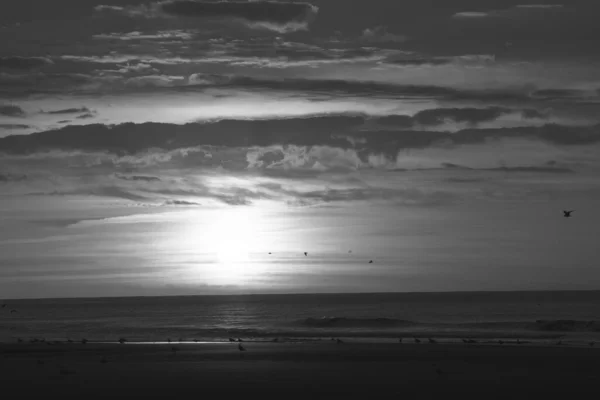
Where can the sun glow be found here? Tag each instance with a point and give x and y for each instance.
(232, 240)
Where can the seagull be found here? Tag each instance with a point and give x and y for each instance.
(567, 214)
(230, 339)
(305, 253)
(518, 341)
(339, 341)
(240, 340)
(370, 261)
(432, 341)
(500, 342)
(472, 341)
(4, 305)
(84, 341)
(169, 340)
(241, 348)
(400, 340)
(122, 340)
(465, 340)
(417, 340)
(13, 311)
(69, 341)
(276, 339)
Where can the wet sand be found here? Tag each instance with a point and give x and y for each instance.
(282, 370)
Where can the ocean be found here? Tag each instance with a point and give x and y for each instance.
(533, 315)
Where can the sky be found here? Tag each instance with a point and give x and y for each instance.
(201, 147)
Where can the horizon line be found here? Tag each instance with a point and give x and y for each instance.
(306, 294)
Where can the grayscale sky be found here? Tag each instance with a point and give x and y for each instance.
(179, 147)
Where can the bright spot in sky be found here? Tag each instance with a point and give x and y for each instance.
(227, 243)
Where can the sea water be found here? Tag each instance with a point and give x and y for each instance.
(382, 315)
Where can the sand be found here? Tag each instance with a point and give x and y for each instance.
(297, 370)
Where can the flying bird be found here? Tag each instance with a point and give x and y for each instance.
(371, 262)
(122, 340)
(241, 348)
(84, 341)
(305, 253)
(400, 340)
(432, 341)
(339, 341)
(230, 339)
(417, 340)
(567, 214)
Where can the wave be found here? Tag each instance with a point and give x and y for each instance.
(343, 322)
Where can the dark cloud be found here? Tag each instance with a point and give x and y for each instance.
(550, 168)
(23, 63)
(272, 15)
(559, 93)
(12, 178)
(70, 111)
(439, 116)
(11, 110)
(142, 178)
(274, 12)
(14, 126)
(402, 196)
(86, 116)
(333, 131)
(369, 88)
(180, 203)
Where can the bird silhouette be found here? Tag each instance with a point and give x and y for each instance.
(4, 305)
(241, 348)
(122, 340)
(339, 341)
(559, 343)
(230, 339)
(169, 340)
(240, 340)
(400, 340)
(592, 344)
(84, 341)
(567, 214)
(370, 261)
(500, 342)
(305, 253)
(432, 341)
(417, 340)
(13, 311)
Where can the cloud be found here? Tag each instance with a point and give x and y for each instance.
(24, 63)
(469, 115)
(14, 126)
(268, 14)
(380, 34)
(549, 168)
(12, 178)
(10, 110)
(142, 178)
(341, 132)
(137, 35)
(277, 16)
(180, 203)
(86, 116)
(70, 111)
(519, 11)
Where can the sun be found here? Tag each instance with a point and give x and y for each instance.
(235, 237)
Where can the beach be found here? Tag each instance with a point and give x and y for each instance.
(321, 369)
